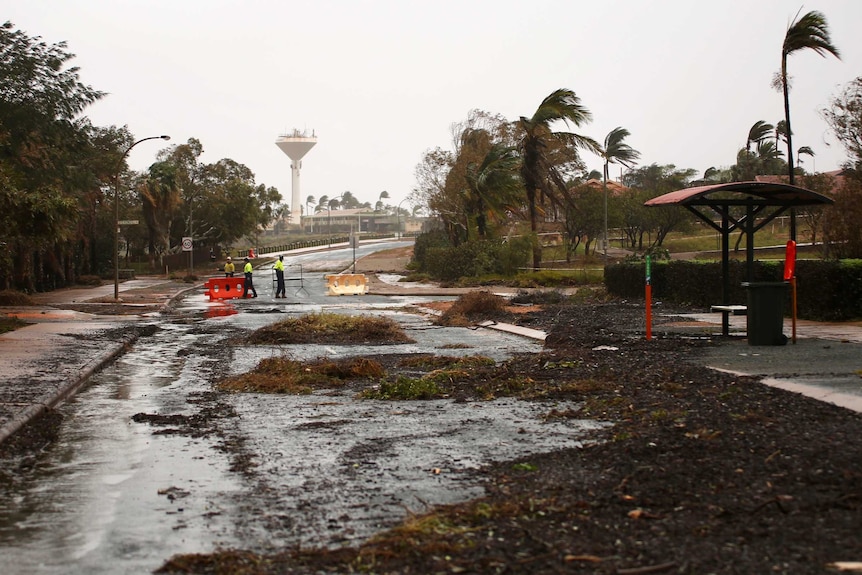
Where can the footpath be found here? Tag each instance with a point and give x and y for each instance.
(46, 362)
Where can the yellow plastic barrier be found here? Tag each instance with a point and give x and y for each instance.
(347, 284)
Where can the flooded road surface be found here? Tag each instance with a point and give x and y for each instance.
(119, 494)
(103, 498)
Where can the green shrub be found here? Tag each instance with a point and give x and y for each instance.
(15, 298)
(472, 259)
(514, 254)
(425, 242)
(826, 290)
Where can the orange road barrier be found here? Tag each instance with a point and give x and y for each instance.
(224, 288)
(347, 284)
(251, 254)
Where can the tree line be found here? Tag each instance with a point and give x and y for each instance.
(64, 180)
(60, 177)
(501, 175)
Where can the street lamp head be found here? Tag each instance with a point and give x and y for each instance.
(165, 137)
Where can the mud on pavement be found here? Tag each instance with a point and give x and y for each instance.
(329, 469)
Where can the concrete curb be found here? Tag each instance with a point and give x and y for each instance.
(168, 303)
(60, 395)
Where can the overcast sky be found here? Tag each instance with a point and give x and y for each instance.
(380, 82)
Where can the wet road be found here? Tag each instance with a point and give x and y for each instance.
(113, 495)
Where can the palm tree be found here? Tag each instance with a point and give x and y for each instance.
(803, 150)
(757, 133)
(615, 152)
(494, 185)
(308, 201)
(379, 205)
(769, 157)
(781, 132)
(348, 200)
(537, 140)
(809, 32)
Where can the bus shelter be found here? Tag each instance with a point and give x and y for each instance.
(744, 206)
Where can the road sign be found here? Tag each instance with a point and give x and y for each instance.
(187, 244)
(128, 222)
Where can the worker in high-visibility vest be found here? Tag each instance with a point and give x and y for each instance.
(229, 268)
(248, 284)
(279, 277)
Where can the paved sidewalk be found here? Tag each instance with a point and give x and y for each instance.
(825, 362)
(48, 361)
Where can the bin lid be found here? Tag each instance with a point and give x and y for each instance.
(764, 284)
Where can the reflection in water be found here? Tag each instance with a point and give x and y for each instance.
(220, 310)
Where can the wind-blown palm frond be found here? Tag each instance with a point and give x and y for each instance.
(803, 150)
(767, 150)
(781, 131)
(495, 184)
(809, 32)
(616, 151)
(758, 132)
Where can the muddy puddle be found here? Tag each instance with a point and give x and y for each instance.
(331, 469)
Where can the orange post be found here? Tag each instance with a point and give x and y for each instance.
(648, 297)
(790, 276)
(648, 312)
(793, 305)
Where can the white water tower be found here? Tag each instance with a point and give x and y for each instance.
(296, 145)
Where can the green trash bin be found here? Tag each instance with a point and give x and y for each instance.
(765, 322)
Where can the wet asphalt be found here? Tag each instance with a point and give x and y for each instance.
(46, 362)
(111, 495)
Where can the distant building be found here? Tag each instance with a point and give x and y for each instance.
(364, 220)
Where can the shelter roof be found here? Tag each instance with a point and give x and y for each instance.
(741, 193)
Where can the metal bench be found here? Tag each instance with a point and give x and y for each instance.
(731, 309)
(726, 312)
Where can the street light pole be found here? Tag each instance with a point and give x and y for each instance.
(398, 219)
(117, 211)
